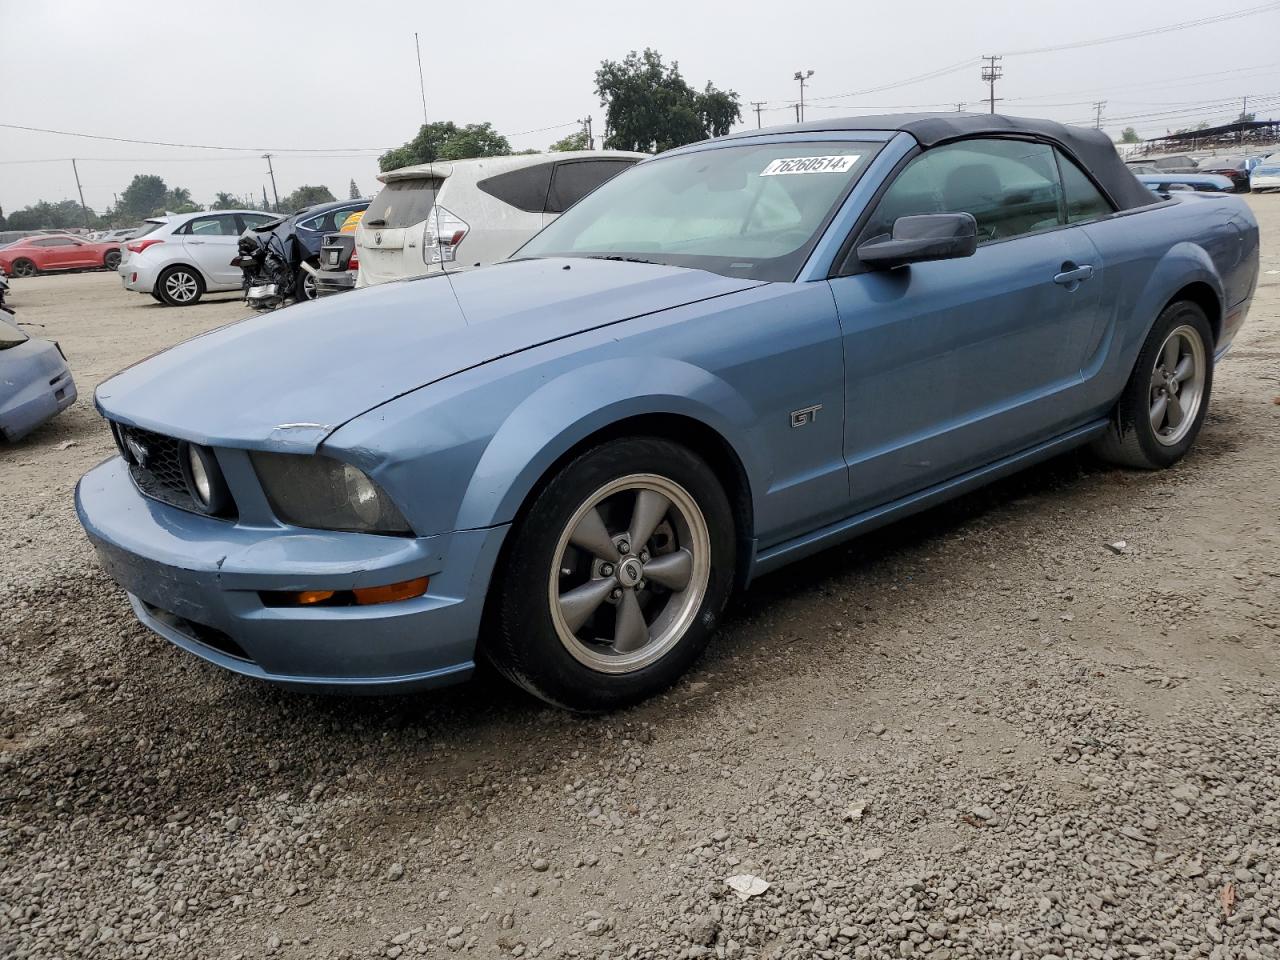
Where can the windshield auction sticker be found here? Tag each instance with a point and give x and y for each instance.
(840, 164)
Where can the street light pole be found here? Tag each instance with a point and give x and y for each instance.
(802, 76)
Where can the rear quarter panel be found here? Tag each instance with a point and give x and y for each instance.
(1152, 253)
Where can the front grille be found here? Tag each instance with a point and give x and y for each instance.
(155, 463)
(206, 636)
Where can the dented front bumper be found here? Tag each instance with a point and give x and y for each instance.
(197, 581)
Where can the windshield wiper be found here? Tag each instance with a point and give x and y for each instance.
(601, 256)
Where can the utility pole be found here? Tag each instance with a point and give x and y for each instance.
(1244, 112)
(422, 86)
(586, 129)
(81, 192)
(1097, 113)
(802, 76)
(796, 106)
(991, 72)
(757, 106)
(274, 192)
(265, 205)
(960, 107)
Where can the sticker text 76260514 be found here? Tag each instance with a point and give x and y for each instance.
(837, 164)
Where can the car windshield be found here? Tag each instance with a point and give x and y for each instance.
(753, 211)
(10, 336)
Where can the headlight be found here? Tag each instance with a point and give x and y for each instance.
(200, 485)
(320, 492)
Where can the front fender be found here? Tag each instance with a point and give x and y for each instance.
(571, 407)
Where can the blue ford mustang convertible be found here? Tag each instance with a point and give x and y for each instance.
(730, 356)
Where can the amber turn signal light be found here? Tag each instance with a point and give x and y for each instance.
(359, 597)
(404, 590)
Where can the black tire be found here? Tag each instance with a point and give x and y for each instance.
(521, 637)
(179, 278)
(23, 267)
(111, 260)
(1131, 439)
(305, 286)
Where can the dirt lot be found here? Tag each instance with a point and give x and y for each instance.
(978, 734)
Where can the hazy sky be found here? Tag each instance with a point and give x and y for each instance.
(342, 75)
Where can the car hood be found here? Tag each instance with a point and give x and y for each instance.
(287, 379)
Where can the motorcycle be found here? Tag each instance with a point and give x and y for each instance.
(274, 264)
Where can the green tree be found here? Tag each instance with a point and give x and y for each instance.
(2, 220)
(574, 141)
(226, 201)
(144, 197)
(445, 140)
(649, 106)
(475, 140)
(353, 192)
(306, 197)
(43, 215)
(1129, 135)
(178, 200)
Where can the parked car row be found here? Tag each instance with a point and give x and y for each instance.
(1237, 169)
(1266, 174)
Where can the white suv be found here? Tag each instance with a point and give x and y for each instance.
(472, 212)
(178, 259)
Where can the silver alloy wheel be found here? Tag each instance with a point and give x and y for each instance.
(308, 286)
(631, 569)
(181, 286)
(24, 268)
(1177, 384)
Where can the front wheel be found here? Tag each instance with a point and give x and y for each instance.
(179, 287)
(112, 260)
(1165, 401)
(24, 268)
(305, 287)
(615, 577)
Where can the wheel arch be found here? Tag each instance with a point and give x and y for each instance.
(689, 406)
(1206, 298)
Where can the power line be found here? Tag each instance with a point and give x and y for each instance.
(189, 146)
(966, 64)
(1150, 31)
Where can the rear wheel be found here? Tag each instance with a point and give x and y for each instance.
(306, 285)
(1165, 401)
(24, 268)
(179, 287)
(112, 259)
(615, 578)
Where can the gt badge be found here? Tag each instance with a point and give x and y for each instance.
(805, 416)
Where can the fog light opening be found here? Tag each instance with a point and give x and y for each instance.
(358, 597)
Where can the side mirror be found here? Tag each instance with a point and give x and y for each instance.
(929, 236)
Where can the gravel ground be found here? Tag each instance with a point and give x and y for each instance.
(980, 733)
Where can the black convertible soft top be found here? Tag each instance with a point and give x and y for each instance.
(1090, 148)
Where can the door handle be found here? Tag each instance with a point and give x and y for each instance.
(195, 242)
(1072, 276)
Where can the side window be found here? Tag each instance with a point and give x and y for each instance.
(1084, 202)
(575, 179)
(525, 189)
(56, 242)
(254, 220)
(1010, 186)
(219, 226)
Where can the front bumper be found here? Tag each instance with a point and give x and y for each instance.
(36, 386)
(1265, 181)
(196, 580)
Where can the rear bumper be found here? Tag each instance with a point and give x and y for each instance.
(196, 581)
(44, 389)
(335, 281)
(137, 274)
(1266, 181)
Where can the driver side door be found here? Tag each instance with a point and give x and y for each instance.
(956, 363)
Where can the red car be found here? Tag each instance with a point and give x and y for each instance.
(56, 251)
